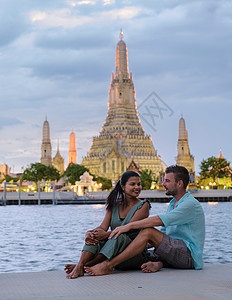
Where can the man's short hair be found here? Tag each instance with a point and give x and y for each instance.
(180, 173)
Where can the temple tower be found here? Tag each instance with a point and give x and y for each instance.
(46, 148)
(58, 161)
(184, 157)
(220, 154)
(122, 138)
(72, 154)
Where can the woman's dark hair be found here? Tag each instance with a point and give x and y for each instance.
(117, 195)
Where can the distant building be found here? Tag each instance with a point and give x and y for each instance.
(122, 138)
(58, 161)
(86, 184)
(72, 154)
(134, 167)
(184, 157)
(4, 170)
(46, 148)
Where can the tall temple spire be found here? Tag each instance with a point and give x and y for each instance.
(184, 157)
(183, 134)
(46, 148)
(122, 101)
(72, 154)
(122, 138)
(121, 34)
(220, 154)
(121, 58)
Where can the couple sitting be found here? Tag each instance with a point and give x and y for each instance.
(179, 243)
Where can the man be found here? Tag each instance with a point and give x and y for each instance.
(181, 241)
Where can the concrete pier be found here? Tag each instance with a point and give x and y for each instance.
(213, 282)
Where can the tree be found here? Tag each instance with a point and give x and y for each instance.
(8, 178)
(52, 173)
(106, 183)
(215, 168)
(146, 179)
(37, 171)
(73, 172)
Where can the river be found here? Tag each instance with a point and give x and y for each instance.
(43, 238)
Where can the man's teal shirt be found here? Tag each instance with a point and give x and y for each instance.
(186, 222)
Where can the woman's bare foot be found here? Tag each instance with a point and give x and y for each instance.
(151, 267)
(103, 268)
(76, 272)
(69, 267)
(96, 260)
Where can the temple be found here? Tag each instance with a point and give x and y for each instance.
(122, 138)
(184, 157)
(46, 148)
(58, 161)
(72, 154)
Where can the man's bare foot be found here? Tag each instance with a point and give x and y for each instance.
(100, 269)
(151, 267)
(76, 272)
(69, 267)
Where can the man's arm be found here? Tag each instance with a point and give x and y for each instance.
(145, 223)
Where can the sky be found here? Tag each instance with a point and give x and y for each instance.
(56, 60)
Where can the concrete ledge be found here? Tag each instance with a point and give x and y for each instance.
(213, 282)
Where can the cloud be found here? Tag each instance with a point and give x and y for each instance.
(68, 18)
(12, 24)
(58, 18)
(74, 39)
(82, 2)
(89, 2)
(5, 122)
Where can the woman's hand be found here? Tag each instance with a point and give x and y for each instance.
(118, 230)
(90, 238)
(100, 234)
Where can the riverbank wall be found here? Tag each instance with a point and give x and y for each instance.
(64, 198)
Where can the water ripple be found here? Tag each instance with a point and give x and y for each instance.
(44, 238)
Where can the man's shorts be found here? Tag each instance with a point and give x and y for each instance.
(173, 253)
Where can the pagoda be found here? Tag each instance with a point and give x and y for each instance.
(184, 157)
(122, 138)
(46, 147)
(72, 154)
(58, 161)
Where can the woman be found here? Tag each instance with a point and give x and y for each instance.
(122, 207)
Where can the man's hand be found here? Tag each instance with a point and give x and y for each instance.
(118, 230)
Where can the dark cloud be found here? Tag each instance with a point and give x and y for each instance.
(12, 25)
(4, 122)
(74, 65)
(75, 39)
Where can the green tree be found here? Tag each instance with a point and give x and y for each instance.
(73, 172)
(9, 178)
(146, 179)
(37, 171)
(106, 183)
(52, 173)
(215, 168)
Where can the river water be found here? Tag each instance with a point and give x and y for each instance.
(44, 238)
